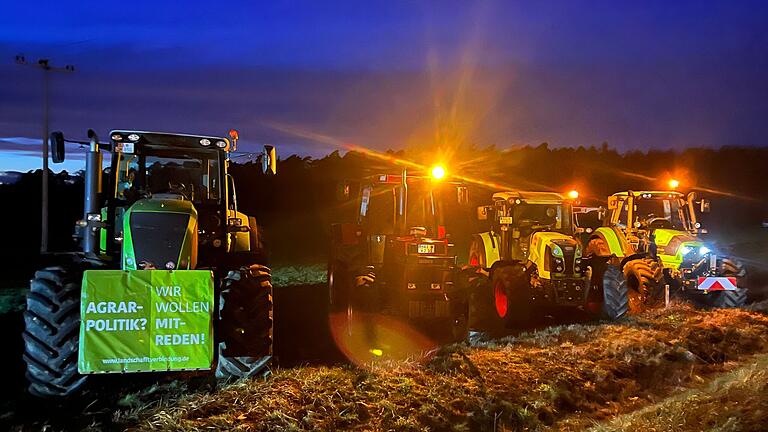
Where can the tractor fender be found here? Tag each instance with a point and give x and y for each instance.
(614, 239)
(499, 264)
(490, 248)
(239, 241)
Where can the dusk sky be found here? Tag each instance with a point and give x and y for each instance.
(309, 76)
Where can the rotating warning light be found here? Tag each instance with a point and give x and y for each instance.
(438, 172)
(573, 194)
(673, 184)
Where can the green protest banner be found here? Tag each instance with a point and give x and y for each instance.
(146, 320)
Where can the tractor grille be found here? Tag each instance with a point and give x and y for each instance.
(157, 237)
(569, 255)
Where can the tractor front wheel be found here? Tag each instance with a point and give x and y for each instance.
(52, 332)
(643, 278)
(614, 288)
(245, 323)
(501, 302)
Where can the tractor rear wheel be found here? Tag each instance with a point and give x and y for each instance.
(730, 299)
(245, 323)
(52, 332)
(643, 277)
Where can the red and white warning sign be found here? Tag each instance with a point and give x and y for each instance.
(717, 283)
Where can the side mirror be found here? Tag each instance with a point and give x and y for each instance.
(269, 160)
(705, 205)
(462, 195)
(56, 142)
(601, 212)
(483, 212)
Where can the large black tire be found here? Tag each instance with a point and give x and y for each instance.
(730, 299)
(614, 289)
(643, 277)
(52, 332)
(459, 297)
(245, 323)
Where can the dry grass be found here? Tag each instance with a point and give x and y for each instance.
(735, 401)
(569, 376)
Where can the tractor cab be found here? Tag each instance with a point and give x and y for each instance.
(168, 190)
(517, 217)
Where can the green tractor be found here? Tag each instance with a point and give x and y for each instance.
(531, 261)
(170, 276)
(656, 237)
(396, 258)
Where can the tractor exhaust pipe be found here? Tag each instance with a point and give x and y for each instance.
(91, 207)
(402, 203)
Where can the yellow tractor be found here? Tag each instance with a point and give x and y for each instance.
(655, 237)
(530, 260)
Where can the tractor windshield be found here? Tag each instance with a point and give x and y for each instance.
(657, 212)
(194, 175)
(380, 209)
(554, 217)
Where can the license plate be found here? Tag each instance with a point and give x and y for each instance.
(717, 284)
(505, 220)
(426, 248)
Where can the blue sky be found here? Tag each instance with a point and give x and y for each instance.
(391, 74)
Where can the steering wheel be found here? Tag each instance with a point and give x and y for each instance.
(534, 225)
(658, 222)
(178, 188)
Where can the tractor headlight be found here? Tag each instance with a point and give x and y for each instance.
(133, 137)
(685, 250)
(205, 142)
(704, 250)
(221, 144)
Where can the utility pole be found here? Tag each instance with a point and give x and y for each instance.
(46, 67)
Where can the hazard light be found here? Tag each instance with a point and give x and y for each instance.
(674, 184)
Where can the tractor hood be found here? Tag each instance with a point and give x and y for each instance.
(160, 233)
(675, 247)
(559, 244)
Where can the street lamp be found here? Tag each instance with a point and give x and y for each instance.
(46, 67)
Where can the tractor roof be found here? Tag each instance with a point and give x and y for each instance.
(530, 197)
(653, 194)
(165, 139)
